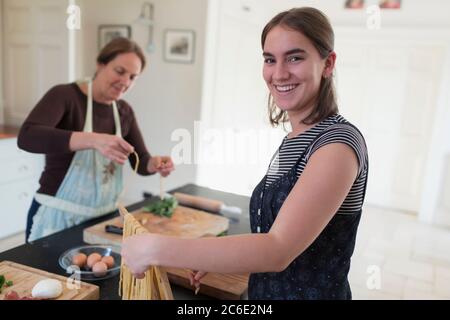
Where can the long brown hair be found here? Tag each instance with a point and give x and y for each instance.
(316, 27)
(119, 46)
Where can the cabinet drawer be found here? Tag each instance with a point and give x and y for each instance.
(20, 168)
(15, 200)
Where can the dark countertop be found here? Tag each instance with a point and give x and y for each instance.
(44, 253)
(7, 132)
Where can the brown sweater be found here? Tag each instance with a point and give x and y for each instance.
(62, 111)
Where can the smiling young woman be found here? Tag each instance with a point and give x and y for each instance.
(305, 212)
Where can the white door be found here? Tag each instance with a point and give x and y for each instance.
(235, 155)
(389, 89)
(35, 50)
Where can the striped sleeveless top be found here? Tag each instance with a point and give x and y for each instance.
(334, 129)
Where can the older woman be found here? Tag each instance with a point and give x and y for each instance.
(87, 133)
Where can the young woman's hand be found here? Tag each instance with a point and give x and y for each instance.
(195, 277)
(112, 147)
(136, 252)
(161, 164)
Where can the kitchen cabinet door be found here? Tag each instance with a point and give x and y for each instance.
(19, 175)
(15, 200)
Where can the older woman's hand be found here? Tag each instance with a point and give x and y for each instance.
(161, 164)
(112, 147)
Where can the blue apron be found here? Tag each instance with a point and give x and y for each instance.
(90, 188)
(320, 272)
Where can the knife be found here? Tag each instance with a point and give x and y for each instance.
(113, 229)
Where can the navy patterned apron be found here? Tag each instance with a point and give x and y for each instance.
(320, 272)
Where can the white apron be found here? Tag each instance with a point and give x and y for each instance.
(90, 188)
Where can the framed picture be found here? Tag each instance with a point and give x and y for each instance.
(179, 46)
(354, 4)
(390, 4)
(111, 31)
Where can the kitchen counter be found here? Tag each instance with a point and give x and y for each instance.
(44, 253)
(7, 132)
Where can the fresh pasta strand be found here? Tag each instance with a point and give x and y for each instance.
(135, 169)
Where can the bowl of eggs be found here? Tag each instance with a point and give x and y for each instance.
(93, 262)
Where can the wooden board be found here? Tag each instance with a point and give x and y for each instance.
(219, 285)
(24, 279)
(184, 223)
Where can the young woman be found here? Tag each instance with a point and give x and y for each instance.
(87, 133)
(306, 210)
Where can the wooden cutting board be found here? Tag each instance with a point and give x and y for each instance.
(184, 223)
(24, 279)
(219, 285)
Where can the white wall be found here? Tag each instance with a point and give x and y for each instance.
(445, 198)
(1, 63)
(166, 96)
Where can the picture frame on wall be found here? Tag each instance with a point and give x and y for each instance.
(354, 4)
(108, 32)
(390, 4)
(179, 46)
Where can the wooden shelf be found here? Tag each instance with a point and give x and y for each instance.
(7, 132)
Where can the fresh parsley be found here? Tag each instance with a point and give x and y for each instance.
(163, 208)
(5, 283)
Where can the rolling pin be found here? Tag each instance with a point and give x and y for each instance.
(205, 204)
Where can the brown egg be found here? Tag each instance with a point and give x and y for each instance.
(79, 260)
(109, 261)
(99, 269)
(92, 259)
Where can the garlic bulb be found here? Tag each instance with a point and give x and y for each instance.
(47, 289)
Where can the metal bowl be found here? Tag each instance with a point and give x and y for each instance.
(65, 261)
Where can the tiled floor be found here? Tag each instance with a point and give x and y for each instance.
(404, 258)
(396, 257)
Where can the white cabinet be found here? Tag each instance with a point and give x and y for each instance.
(19, 175)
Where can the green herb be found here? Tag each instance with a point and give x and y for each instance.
(5, 283)
(223, 234)
(163, 208)
(2, 282)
